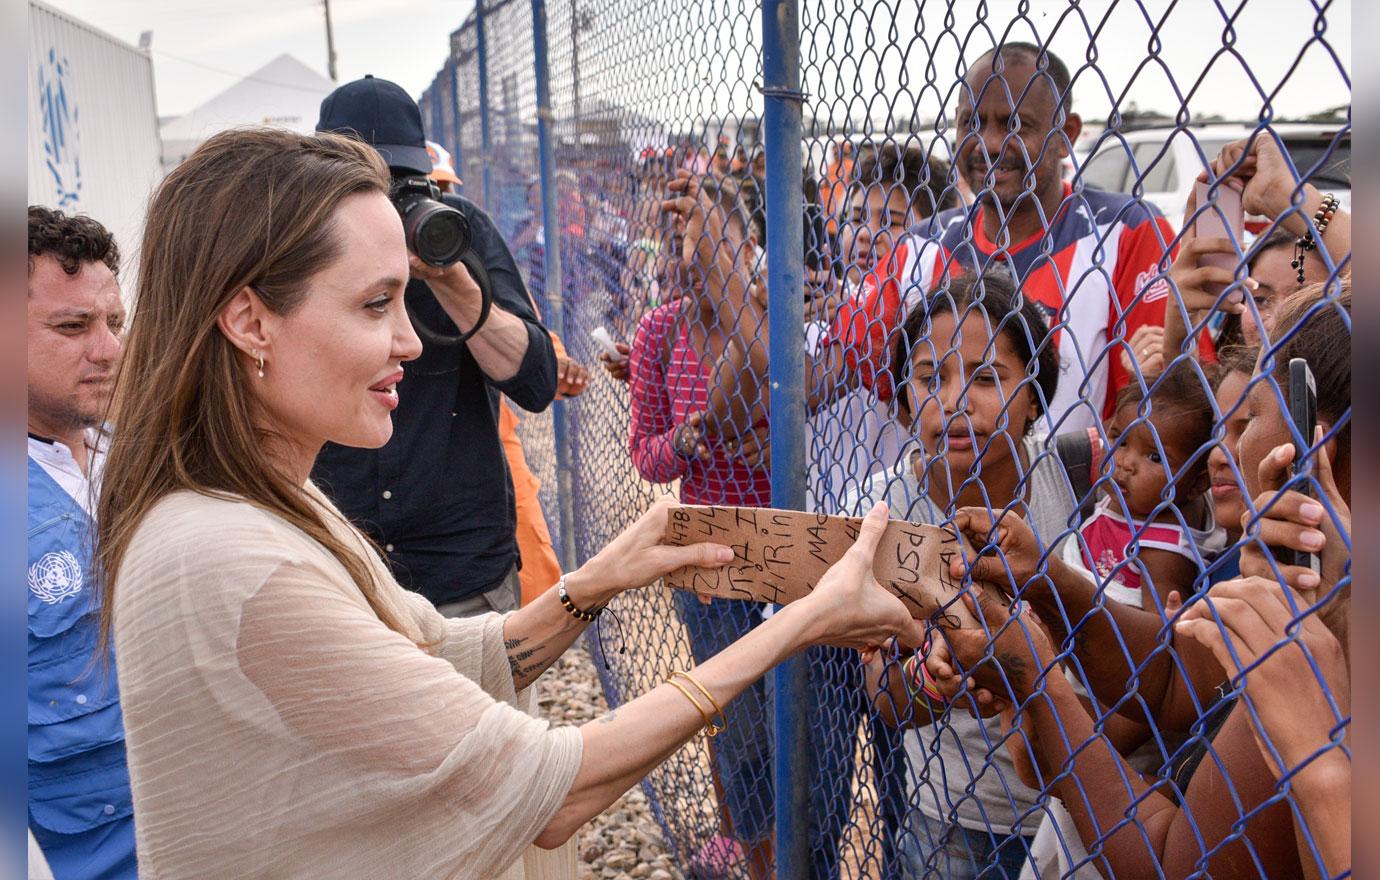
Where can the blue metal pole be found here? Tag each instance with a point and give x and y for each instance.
(485, 144)
(434, 97)
(555, 299)
(781, 128)
(453, 67)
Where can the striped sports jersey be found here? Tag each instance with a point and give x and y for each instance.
(1095, 272)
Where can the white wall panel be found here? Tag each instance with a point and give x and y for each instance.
(93, 126)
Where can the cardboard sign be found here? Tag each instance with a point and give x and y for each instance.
(780, 555)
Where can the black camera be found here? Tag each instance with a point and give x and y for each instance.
(435, 232)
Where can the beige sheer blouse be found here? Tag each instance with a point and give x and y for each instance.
(276, 728)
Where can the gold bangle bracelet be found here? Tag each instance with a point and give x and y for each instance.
(711, 728)
(723, 719)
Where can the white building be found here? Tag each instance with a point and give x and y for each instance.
(285, 93)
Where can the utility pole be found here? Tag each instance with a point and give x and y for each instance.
(330, 42)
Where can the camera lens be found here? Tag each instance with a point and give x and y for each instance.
(437, 233)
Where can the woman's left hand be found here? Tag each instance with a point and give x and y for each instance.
(638, 557)
(1296, 710)
(1298, 522)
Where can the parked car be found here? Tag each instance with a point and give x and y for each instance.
(1160, 164)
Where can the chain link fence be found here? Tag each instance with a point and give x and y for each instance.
(1016, 314)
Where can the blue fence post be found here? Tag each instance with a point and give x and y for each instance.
(453, 68)
(555, 298)
(485, 145)
(437, 112)
(781, 130)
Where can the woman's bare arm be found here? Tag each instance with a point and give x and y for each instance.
(848, 608)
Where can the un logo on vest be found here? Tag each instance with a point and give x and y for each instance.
(55, 576)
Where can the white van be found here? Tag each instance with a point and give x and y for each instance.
(1160, 164)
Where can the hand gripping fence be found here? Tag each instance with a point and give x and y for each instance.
(996, 302)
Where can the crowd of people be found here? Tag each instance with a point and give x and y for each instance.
(1063, 376)
(290, 588)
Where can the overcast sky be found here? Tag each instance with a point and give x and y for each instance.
(203, 46)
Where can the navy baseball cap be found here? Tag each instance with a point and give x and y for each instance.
(384, 116)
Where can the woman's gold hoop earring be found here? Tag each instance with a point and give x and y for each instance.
(260, 355)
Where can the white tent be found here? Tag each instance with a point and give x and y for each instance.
(284, 93)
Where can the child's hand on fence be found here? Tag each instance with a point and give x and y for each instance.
(754, 447)
(1298, 522)
(571, 378)
(1295, 708)
(707, 245)
(688, 438)
(1015, 556)
(849, 608)
(617, 369)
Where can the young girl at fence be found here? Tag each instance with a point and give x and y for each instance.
(1225, 813)
(670, 382)
(668, 388)
(974, 370)
(1226, 481)
(290, 711)
(1154, 529)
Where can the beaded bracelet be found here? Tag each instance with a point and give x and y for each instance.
(586, 616)
(1306, 242)
(915, 675)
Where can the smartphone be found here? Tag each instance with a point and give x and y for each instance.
(1303, 413)
(604, 340)
(1223, 219)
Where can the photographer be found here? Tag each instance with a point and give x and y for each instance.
(438, 497)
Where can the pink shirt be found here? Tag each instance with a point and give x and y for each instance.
(1108, 535)
(667, 382)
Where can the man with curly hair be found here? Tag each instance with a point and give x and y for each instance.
(81, 812)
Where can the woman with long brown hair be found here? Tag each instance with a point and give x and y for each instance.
(290, 710)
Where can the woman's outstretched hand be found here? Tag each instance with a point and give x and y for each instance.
(850, 609)
(638, 557)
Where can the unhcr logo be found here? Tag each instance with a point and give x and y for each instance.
(61, 139)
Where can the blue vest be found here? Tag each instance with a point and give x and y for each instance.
(80, 806)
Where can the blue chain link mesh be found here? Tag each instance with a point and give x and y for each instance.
(916, 305)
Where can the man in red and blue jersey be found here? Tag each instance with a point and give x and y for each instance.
(1091, 259)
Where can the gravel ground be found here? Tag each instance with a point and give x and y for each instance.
(625, 841)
